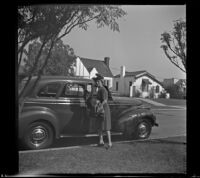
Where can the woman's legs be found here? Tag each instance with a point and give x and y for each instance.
(109, 138)
(101, 137)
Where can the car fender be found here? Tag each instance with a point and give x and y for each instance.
(131, 118)
(31, 114)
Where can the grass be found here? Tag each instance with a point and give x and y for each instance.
(132, 157)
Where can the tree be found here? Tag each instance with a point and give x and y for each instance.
(60, 62)
(50, 23)
(175, 44)
(175, 91)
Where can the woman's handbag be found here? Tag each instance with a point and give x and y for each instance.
(100, 113)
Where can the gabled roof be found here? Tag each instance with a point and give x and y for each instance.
(100, 66)
(138, 74)
(134, 74)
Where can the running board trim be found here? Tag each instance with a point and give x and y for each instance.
(88, 135)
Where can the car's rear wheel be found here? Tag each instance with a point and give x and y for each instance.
(142, 130)
(38, 135)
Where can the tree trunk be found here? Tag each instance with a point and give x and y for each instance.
(24, 90)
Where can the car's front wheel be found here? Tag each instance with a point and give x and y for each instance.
(38, 135)
(141, 130)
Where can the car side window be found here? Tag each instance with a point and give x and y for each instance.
(49, 90)
(72, 90)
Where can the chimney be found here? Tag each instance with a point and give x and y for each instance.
(122, 71)
(106, 60)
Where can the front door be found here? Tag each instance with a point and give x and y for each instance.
(134, 91)
(72, 108)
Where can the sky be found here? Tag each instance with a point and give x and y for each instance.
(137, 45)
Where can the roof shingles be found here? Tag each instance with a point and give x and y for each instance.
(100, 66)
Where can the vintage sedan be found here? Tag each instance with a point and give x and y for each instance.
(57, 107)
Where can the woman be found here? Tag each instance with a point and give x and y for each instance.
(105, 123)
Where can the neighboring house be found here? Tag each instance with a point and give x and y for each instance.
(87, 68)
(169, 81)
(137, 84)
(181, 83)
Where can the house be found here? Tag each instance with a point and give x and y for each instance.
(137, 84)
(87, 68)
(169, 81)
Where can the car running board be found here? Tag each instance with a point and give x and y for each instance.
(88, 135)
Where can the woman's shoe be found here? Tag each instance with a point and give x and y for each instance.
(100, 144)
(108, 146)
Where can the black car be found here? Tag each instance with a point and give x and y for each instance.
(57, 107)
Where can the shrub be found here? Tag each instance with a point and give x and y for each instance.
(137, 94)
(162, 95)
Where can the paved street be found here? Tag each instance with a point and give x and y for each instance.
(172, 122)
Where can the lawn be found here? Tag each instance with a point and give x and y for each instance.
(131, 157)
(173, 102)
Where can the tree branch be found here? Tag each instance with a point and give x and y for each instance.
(44, 64)
(70, 27)
(33, 68)
(20, 59)
(173, 50)
(175, 63)
(73, 15)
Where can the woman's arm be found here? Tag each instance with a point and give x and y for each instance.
(104, 96)
(104, 101)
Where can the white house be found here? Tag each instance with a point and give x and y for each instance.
(87, 68)
(137, 84)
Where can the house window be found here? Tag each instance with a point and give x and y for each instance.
(116, 86)
(157, 89)
(130, 83)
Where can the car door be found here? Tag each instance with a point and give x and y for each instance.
(72, 107)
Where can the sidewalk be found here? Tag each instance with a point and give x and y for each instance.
(147, 156)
